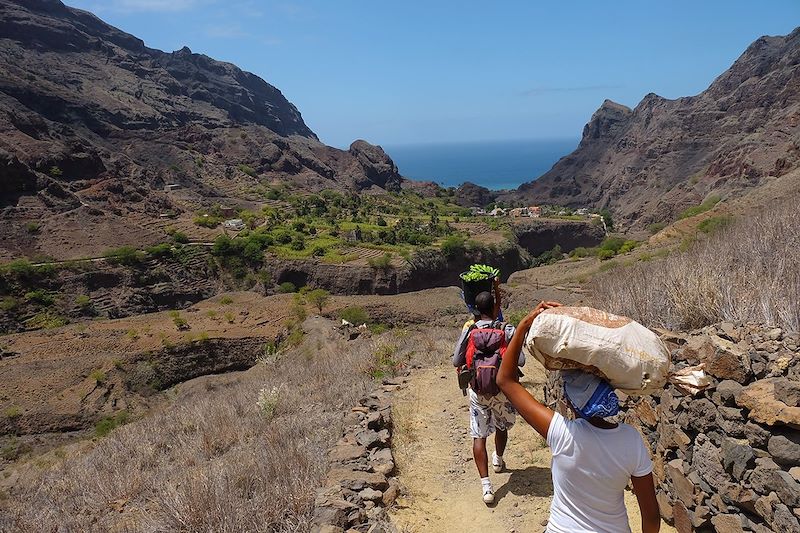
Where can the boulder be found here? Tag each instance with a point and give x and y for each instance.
(371, 494)
(727, 390)
(684, 489)
(707, 462)
(728, 361)
(785, 448)
(727, 523)
(344, 453)
(682, 518)
(788, 391)
(783, 520)
(737, 456)
(765, 406)
(357, 479)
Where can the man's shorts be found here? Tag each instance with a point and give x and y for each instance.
(488, 414)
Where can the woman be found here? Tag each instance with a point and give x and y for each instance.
(593, 459)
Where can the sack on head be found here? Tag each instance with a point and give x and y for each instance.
(485, 349)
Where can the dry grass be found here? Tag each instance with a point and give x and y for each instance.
(212, 460)
(747, 272)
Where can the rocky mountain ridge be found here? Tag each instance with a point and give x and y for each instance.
(92, 119)
(649, 163)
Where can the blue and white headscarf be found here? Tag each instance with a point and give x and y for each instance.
(589, 395)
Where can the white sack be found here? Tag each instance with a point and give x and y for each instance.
(623, 352)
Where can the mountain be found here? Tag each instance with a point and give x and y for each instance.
(649, 163)
(92, 118)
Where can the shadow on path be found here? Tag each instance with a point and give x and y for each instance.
(530, 481)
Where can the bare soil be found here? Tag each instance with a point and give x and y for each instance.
(442, 490)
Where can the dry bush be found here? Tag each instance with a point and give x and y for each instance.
(746, 272)
(211, 460)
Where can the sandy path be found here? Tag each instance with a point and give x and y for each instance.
(434, 458)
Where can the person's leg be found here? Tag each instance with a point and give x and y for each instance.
(481, 457)
(480, 429)
(500, 440)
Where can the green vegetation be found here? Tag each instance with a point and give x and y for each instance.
(40, 297)
(8, 303)
(318, 298)
(656, 227)
(453, 246)
(160, 250)
(13, 412)
(32, 227)
(98, 376)
(708, 204)
(178, 237)
(382, 262)
(607, 218)
(208, 221)
(55, 171)
(549, 257)
(124, 255)
(178, 320)
(106, 425)
(713, 224)
(287, 287)
(385, 362)
(226, 300)
(355, 315)
(250, 171)
(83, 302)
(47, 320)
(515, 317)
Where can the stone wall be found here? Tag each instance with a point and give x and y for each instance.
(728, 460)
(360, 484)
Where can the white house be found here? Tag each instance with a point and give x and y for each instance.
(234, 224)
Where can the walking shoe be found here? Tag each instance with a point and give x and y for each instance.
(488, 496)
(497, 462)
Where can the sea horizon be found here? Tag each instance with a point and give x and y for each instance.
(496, 164)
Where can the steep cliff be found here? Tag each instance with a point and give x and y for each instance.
(82, 102)
(648, 163)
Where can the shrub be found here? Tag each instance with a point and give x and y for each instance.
(41, 297)
(8, 303)
(250, 171)
(355, 315)
(656, 227)
(208, 221)
(124, 255)
(98, 376)
(160, 250)
(605, 254)
(32, 227)
(47, 320)
(106, 425)
(628, 246)
(83, 302)
(707, 204)
(287, 287)
(267, 402)
(608, 219)
(453, 246)
(21, 268)
(179, 237)
(612, 243)
(381, 262)
(318, 298)
(55, 171)
(178, 320)
(713, 224)
(298, 243)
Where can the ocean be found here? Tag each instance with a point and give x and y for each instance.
(492, 164)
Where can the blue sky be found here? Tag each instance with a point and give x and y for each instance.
(450, 71)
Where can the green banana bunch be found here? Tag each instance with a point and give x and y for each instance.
(480, 272)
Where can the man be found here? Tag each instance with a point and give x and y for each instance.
(489, 413)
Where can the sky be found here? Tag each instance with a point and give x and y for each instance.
(414, 72)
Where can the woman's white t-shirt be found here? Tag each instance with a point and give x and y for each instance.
(591, 468)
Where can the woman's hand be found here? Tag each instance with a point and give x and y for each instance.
(525, 323)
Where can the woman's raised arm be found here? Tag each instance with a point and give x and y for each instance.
(535, 413)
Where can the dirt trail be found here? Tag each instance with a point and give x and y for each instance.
(434, 458)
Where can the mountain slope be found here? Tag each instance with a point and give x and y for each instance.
(90, 116)
(648, 163)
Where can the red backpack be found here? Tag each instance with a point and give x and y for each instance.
(485, 349)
